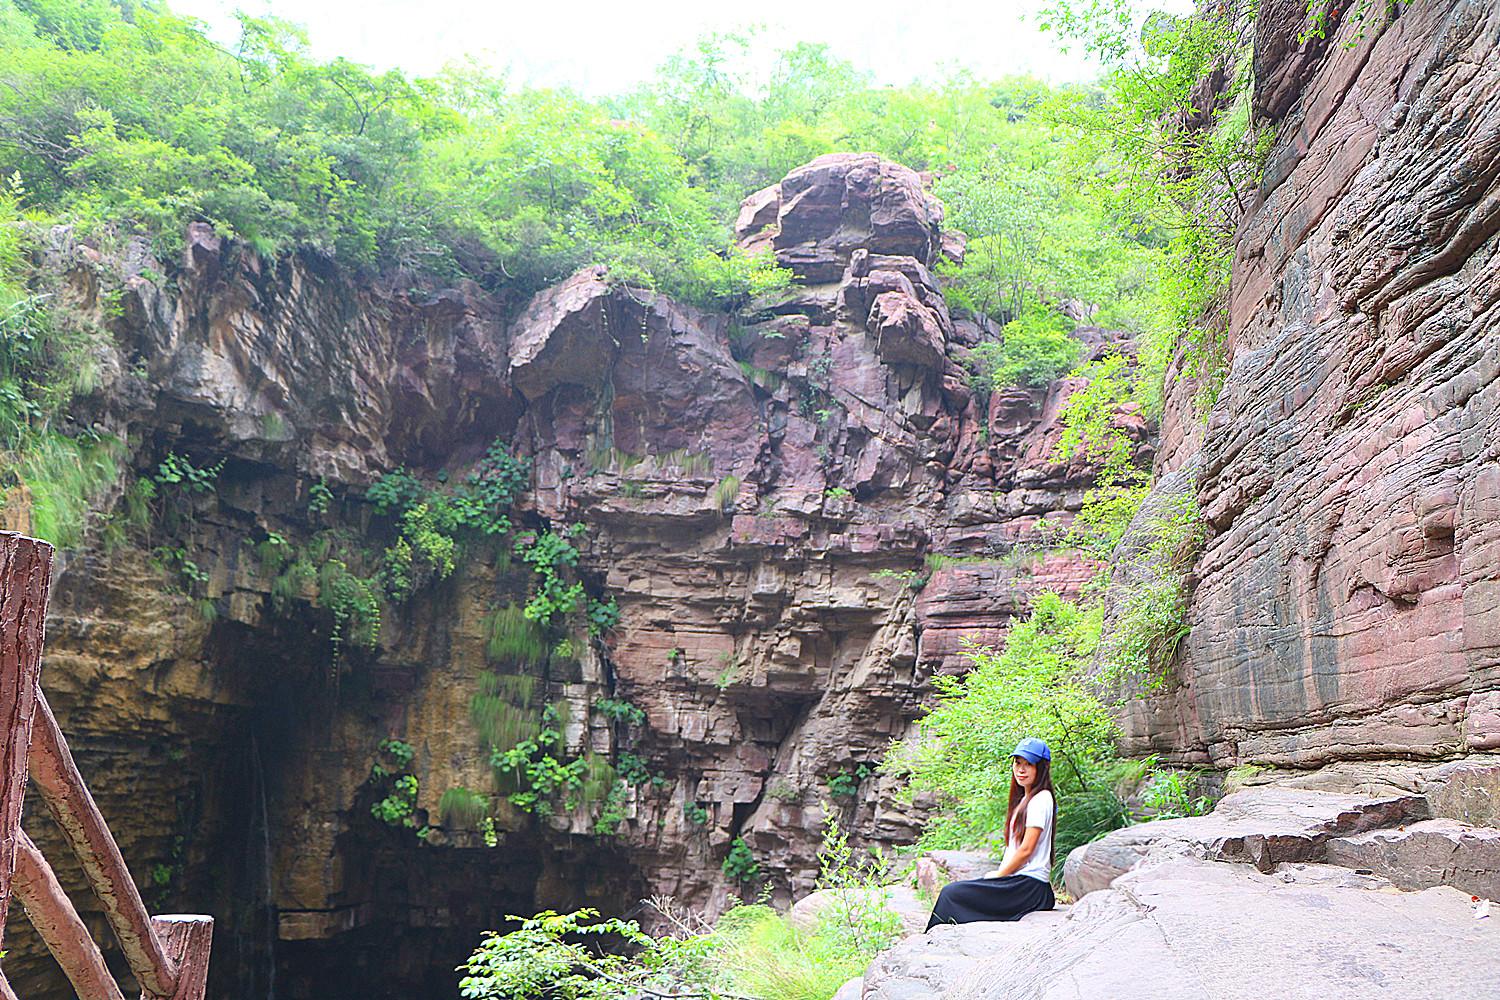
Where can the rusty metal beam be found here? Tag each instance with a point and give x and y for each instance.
(68, 799)
(25, 575)
(60, 927)
(188, 939)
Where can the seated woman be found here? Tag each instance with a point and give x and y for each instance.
(1023, 882)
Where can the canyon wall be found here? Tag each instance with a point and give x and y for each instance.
(1347, 604)
(802, 510)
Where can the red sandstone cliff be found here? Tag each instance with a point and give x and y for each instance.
(1347, 604)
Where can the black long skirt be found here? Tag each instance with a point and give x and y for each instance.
(1009, 898)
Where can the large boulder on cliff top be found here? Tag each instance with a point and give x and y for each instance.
(839, 203)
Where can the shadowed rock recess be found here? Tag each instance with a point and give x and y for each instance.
(758, 491)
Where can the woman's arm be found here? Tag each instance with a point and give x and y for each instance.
(1022, 855)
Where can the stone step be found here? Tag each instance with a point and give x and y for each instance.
(1263, 826)
(1425, 854)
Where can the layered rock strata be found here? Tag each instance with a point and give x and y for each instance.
(1347, 604)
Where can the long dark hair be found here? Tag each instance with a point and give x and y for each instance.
(1020, 798)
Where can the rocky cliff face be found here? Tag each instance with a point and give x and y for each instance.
(1348, 601)
(801, 509)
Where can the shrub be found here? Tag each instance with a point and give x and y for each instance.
(550, 556)
(619, 710)
(751, 951)
(1170, 795)
(740, 864)
(1034, 349)
(1036, 686)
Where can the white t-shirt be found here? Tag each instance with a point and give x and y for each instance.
(1039, 812)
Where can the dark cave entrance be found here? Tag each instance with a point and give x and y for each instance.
(409, 912)
(422, 911)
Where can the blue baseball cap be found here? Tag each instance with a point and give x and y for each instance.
(1032, 749)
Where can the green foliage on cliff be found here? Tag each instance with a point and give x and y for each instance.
(1033, 349)
(392, 779)
(126, 115)
(750, 951)
(1035, 686)
(47, 358)
(1167, 148)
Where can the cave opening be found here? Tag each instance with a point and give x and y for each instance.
(316, 898)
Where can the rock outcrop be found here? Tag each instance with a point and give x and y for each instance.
(1276, 893)
(800, 511)
(1193, 930)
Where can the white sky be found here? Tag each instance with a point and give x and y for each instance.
(606, 46)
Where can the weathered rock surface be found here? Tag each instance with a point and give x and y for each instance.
(1198, 930)
(1347, 604)
(1263, 827)
(936, 963)
(1432, 852)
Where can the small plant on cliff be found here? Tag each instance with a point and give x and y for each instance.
(354, 603)
(176, 472)
(319, 498)
(390, 773)
(782, 790)
(603, 616)
(845, 784)
(725, 492)
(620, 710)
(696, 813)
(740, 864)
(513, 638)
(538, 771)
(1326, 15)
(463, 809)
(551, 555)
(611, 810)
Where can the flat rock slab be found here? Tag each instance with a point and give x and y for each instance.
(1197, 930)
(931, 964)
(1265, 826)
(1433, 852)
